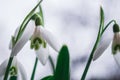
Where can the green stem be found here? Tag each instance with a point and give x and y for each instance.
(8, 67)
(91, 55)
(89, 61)
(22, 27)
(100, 33)
(107, 26)
(34, 69)
(36, 61)
(52, 64)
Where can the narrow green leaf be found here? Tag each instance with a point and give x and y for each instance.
(101, 18)
(52, 64)
(62, 68)
(26, 20)
(47, 78)
(101, 28)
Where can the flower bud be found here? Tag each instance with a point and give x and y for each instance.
(116, 28)
(38, 21)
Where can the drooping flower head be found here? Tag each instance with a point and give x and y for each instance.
(116, 39)
(106, 42)
(36, 39)
(116, 43)
(39, 38)
(39, 41)
(16, 70)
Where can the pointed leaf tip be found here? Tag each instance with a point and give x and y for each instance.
(101, 17)
(62, 68)
(101, 10)
(47, 78)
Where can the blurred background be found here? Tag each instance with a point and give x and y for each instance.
(75, 23)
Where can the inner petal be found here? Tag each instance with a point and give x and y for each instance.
(36, 43)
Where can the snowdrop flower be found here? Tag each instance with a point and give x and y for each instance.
(39, 37)
(16, 70)
(23, 39)
(115, 45)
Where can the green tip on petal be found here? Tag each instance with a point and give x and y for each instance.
(116, 28)
(35, 44)
(116, 48)
(31, 45)
(13, 71)
(44, 44)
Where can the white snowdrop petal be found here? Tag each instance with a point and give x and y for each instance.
(22, 71)
(14, 62)
(24, 38)
(117, 58)
(50, 39)
(15, 35)
(42, 54)
(16, 31)
(10, 44)
(102, 47)
(3, 68)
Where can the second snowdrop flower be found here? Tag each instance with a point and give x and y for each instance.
(16, 70)
(39, 41)
(115, 45)
(39, 37)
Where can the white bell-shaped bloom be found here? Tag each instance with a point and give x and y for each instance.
(39, 41)
(102, 47)
(42, 54)
(23, 39)
(106, 42)
(116, 47)
(39, 37)
(14, 69)
(13, 37)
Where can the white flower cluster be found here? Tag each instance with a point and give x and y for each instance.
(40, 38)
